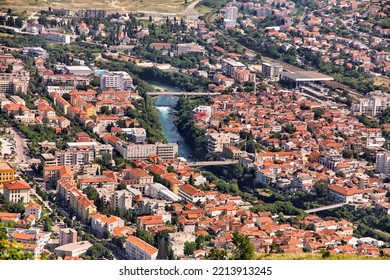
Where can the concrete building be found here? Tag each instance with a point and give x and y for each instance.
(231, 12)
(16, 191)
(136, 176)
(382, 162)
(56, 37)
(330, 159)
(230, 65)
(137, 249)
(116, 80)
(101, 223)
(135, 134)
(191, 194)
(242, 76)
(78, 70)
(190, 48)
(73, 249)
(272, 70)
(373, 104)
(131, 151)
(35, 52)
(216, 141)
(159, 191)
(68, 235)
(231, 152)
(11, 83)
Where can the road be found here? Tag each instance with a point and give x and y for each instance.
(190, 12)
(20, 146)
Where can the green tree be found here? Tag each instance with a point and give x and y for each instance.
(347, 153)
(235, 171)
(318, 112)
(244, 249)
(217, 254)
(189, 247)
(9, 250)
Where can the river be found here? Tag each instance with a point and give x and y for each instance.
(165, 107)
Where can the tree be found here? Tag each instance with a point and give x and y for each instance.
(121, 186)
(236, 171)
(318, 112)
(217, 254)
(98, 252)
(321, 188)
(347, 153)
(9, 250)
(244, 248)
(189, 247)
(106, 234)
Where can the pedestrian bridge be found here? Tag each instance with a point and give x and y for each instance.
(211, 163)
(182, 93)
(333, 206)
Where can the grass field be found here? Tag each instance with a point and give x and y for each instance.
(171, 6)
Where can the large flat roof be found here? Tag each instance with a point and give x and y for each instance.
(306, 76)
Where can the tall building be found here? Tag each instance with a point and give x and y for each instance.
(272, 70)
(382, 162)
(229, 66)
(373, 104)
(216, 141)
(11, 83)
(137, 249)
(231, 13)
(56, 37)
(68, 235)
(116, 80)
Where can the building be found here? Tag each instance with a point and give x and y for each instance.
(73, 249)
(137, 176)
(11, 83)
(330, 159)
(101, 223)
(7, 172)
(216, 141)
(92, 13)
(382, 162)
(78, 70)
(190, 48)
(231, 152)
(159, 191)
(122, 199)
(229, 66)
(231, 13)
(191, 194)
(272, 70)
(32, 240)
(16, 191)
(135, 134)
(34, 209)
(35, 52)
(52, 173)
(56, 37)
(299, 78)
(344, 195)
(116, 80)
(131, 151)
(373, 104)
(68, 235)
(137, 249)
(242, 76)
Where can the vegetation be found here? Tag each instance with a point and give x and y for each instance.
(9, 250)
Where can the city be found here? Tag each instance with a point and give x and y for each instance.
(209, 130)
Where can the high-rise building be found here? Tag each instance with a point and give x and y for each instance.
(116, 80)
(231, 13)
(374, 103)
(272, 70)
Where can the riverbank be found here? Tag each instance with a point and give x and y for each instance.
(165, 106)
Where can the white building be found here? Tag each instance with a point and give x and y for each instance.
(159, 191)
(231, 13)
(190, 48)
(230, 65)
(16, 191)
(116, 80)
(56, 37)
(34, 209)
(373, 104)
(382, 162)
(131, 151)
(272, 70)
(137, 249)
(216, 141)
